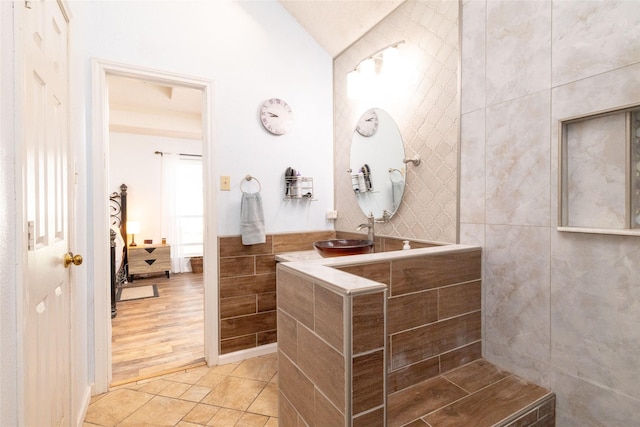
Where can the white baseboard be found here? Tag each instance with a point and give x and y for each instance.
(247, 354)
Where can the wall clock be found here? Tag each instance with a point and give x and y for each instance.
(368, 123)
(276, 116)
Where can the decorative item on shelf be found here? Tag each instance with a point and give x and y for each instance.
(148, 241)
(133, 227)
(164, 240)
(297, 186)
(361, 182)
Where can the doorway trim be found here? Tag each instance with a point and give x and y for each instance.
(99, 155)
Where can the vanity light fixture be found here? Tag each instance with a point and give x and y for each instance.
(363, 76)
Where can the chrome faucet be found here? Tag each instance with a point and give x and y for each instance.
(371, 234)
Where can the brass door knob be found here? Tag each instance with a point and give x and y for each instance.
(70, 258)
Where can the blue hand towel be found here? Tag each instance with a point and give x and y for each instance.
(252, 219)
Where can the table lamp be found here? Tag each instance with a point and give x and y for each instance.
(133, 227)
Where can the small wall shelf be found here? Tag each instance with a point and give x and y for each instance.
(299, 188)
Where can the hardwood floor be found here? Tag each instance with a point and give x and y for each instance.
(154, 336)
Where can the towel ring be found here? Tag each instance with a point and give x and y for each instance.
(249, 178)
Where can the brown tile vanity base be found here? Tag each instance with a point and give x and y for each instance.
(394, 339)
(475, 395)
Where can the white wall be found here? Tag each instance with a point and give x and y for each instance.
(559, 308)
(252, 51)
(132, 161)
(8, 226)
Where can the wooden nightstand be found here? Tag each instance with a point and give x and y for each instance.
(145, 259)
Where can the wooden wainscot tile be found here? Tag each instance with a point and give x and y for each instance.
(507, 397)
(237, 306)
(237, 266)
(265, 264)
(459, 299)
(413, 374)
(287, 335)
(299, 241)
(250, 285)
(323, 365)
(245, 325)
(414, 402)
(428, 272)
(329, 314)
(267, 302)
(238, 343)
(267, 337)
(368, 322)
(371, 419)
(295, 297)
(368, 381)
(476, 375)
(232, 246)
(460, 356)
(422, 343)
(378, 272)
(411, 311)
(325, 413)
(297, 388)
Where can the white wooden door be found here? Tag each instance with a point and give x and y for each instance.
(47, 188)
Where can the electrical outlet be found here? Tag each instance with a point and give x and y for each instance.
(225, 183)
(332, 214)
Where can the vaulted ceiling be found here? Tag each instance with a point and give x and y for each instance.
(138, 106)
(337, 24)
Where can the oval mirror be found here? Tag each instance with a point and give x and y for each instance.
(377, 164)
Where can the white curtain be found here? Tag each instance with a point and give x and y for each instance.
(182, 210)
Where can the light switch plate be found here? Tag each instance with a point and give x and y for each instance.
(225, 183)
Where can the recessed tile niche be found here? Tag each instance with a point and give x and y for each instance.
(600, 172)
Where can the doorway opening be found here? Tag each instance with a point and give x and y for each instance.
(117, 127)
(155, 149)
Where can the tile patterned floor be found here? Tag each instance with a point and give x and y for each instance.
(243, 394)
